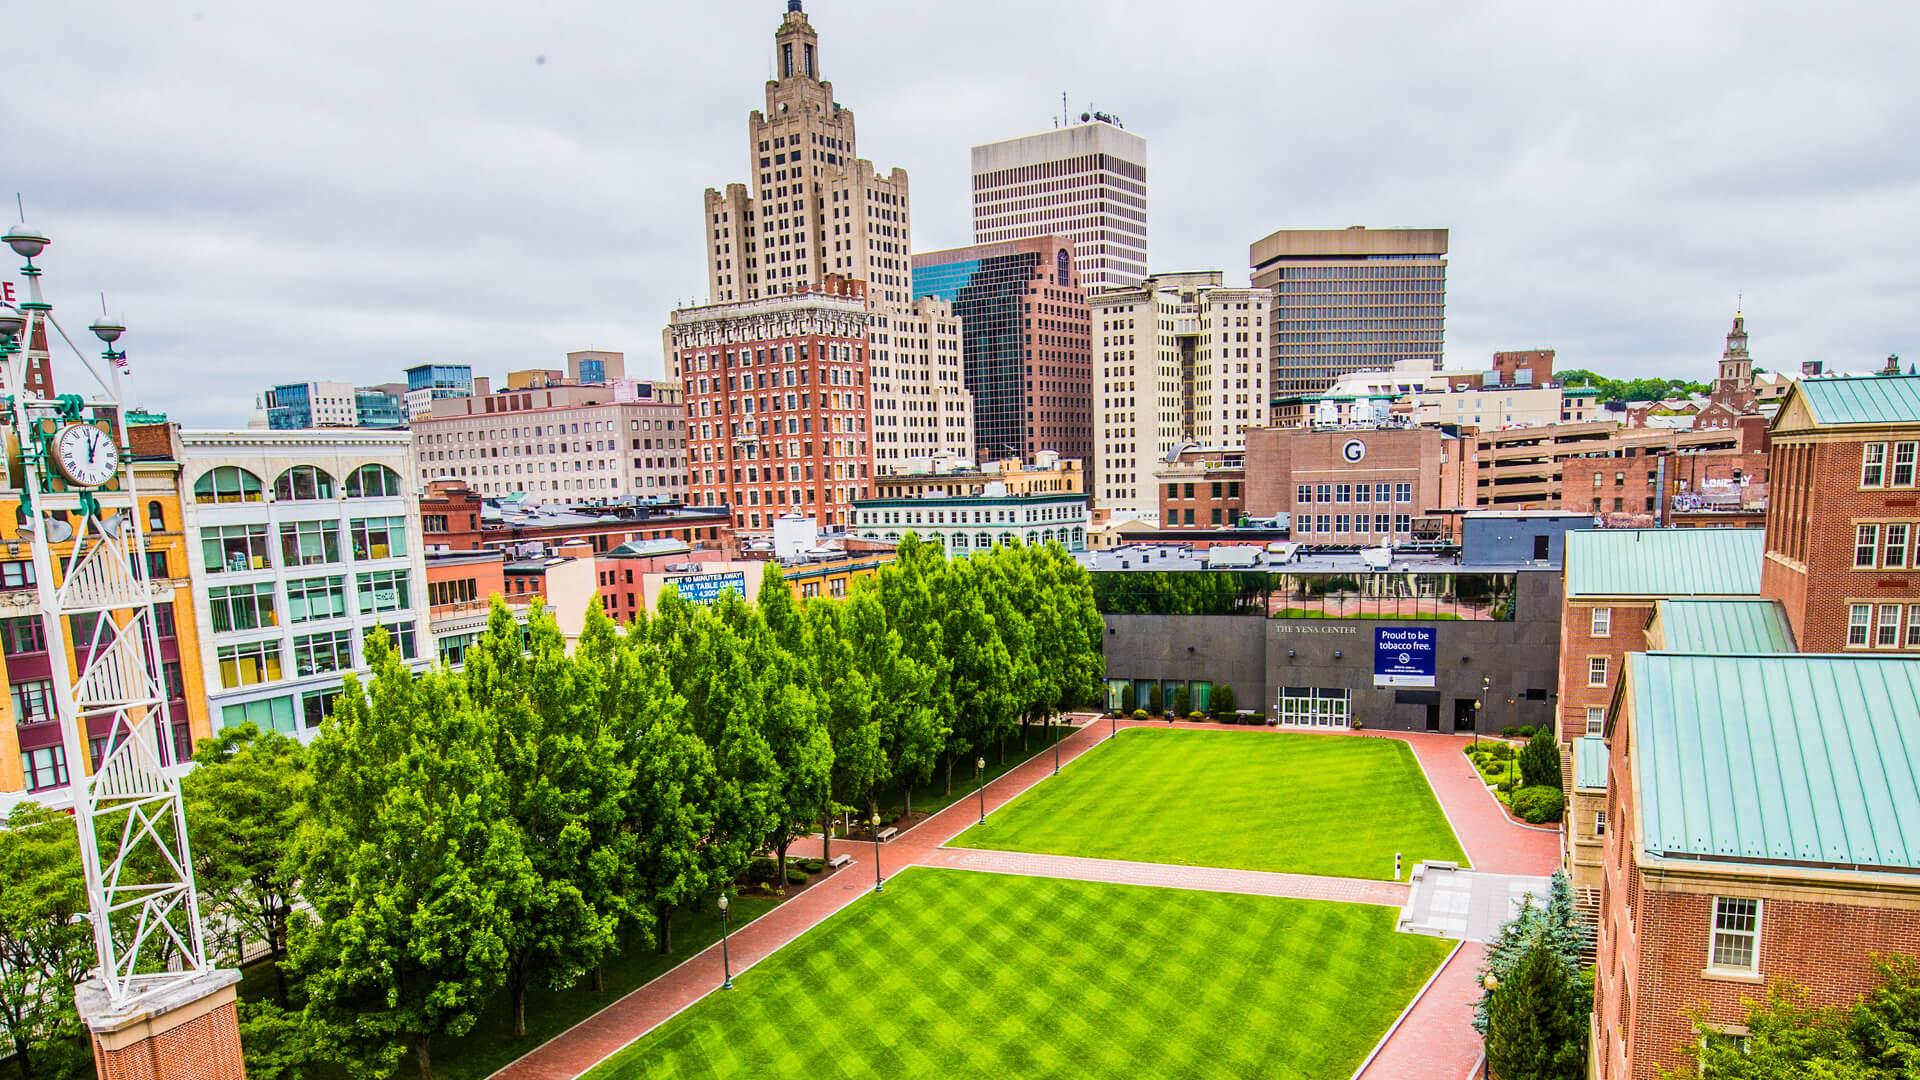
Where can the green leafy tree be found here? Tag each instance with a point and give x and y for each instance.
(276, 1043)
(46, 944)
(1126, 698)
(1156, 699)
(1537, 1020)
(412, 866)
(912, 665)
(1790, 1037)
(990, 648)
(1540, 761)
(794, 723)
(244, 800)
(852, 650)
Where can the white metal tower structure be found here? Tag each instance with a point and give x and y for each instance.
(77, 491)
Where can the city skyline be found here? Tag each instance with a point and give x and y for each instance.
(373, 199)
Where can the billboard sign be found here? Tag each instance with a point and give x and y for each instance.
(704, 589)
(1404, 655)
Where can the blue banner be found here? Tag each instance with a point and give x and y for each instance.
(1404, 655)
(704, 589)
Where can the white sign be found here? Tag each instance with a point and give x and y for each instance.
(1354, 451)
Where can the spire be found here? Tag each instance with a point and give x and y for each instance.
(793, 6)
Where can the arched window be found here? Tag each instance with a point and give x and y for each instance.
(226, 484)
(303, 483)
(372, 482)
(156, 517)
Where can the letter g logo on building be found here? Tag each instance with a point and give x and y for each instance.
(1354, 451)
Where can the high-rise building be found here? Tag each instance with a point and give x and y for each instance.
(1351, 299)
(298, 406)
(817, 210)
(1024, 341)
(778, 408)
(1179, 358)
(428, 383)
(1086, 183)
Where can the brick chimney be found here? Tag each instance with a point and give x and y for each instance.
(189, 1031)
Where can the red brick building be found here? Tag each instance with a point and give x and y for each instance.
(1751, 839)
(453, 516)
(1844, 514)
(778, 413)
(1203, 488)
(1354, 486)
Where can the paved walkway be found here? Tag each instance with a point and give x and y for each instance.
(1467, 905)
(1434, 1037)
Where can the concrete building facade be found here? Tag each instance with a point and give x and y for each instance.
(1086, 183)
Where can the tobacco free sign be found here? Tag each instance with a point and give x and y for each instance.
(1404, 655)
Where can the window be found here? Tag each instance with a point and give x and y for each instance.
(1599, 823)
(272, 714)
(1596, 671)
(1342, 493)
(232, 484)
(157, 565)
(1602, 622)
(399, 635)
(1889, 632)
(241, 607)
(1303, 493)
(1873, 464)
(309, 543)
(32, 701)
(379, 538)
(317, 654)
(1903, 454)
(1866, 543)
(22, 635)
(303, 483)
(317, 706)
(1913, 626)
(17, 575)
(373, 482)
(45, 767)
(1596, 720)
(249, 663)
(1342, 523)
(1895, 555)
(1859, 618)
(1403, 493)
(232, 549)
(163, 625)
(384, 590)
(156, 517)
(1736, 933)
(316, 598)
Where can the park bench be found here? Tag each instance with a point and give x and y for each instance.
(887, 833)
(839, 861)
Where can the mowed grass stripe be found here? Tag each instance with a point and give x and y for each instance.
(1306, 804)
(957, 974)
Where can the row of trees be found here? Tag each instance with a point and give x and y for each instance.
(504, 829)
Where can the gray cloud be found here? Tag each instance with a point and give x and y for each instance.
(281, 192)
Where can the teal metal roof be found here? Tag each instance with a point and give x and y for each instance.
(1724, 626)
(1590, 762)
(1665, 562)
(1864, 399)
(1790, 759)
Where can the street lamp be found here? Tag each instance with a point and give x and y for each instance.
(1484, 684)
(980, 778)
(1054, 722)
(876, 852)
(726, 966)
(1491, 982)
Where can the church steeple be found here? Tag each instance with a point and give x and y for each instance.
(1736, 364)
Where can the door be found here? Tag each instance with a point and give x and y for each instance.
(1463, 714)
(1433, 713)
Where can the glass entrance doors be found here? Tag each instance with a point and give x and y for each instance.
(1315, 707)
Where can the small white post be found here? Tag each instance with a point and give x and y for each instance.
(1396, 866)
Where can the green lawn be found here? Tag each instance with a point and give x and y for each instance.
(957, 974)
(1306, 804)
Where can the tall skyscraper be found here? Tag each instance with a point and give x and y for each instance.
(817, 210)
(1023, 339)
(1354, 299)
(1086, 183)
(1179, 358)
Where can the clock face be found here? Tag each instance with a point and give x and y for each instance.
(85, 455)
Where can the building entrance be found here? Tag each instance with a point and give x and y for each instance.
(1315, 707)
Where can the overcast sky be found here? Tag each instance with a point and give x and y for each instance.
(280, 192)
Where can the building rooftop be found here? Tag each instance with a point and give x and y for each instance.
(1802, 759)
(1590, 762)
(1665, 562)
(1863, 399)
(1157, 557)
(1724, 626)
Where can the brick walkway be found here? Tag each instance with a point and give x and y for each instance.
(1434, 1037)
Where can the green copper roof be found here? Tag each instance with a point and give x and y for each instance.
(1590, 762)
(1665, 562)
(1794, 759)
(1864, 399)
(1724, 626)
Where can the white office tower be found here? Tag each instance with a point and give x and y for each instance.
(1086, 183)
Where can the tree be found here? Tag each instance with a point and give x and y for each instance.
(1182, 700)
(1156, 699)
(790, 717)
(849, 669)
(1126, 697)
(1222, 699)
(1537, 1020)
(244, 801)
(911, 663)
(411, 865)
(46, 942)
(989, 646)
(1555, 924)
(1877, 1037)
(1540, 761)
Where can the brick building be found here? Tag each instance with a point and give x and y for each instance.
(454, 517)
(1750, 840)
(1203, 488)
(1845, 513)
(1649, 487)
(1356, 486)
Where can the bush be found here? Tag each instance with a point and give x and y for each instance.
(1540, 761)
(1538, 804)
(1510, 732)
(1526, 731)
(1196, 716)
(1504, 787)
(796, 876)
(763, 871)
(1140, 714)
(812, 866)
(1126, 698)
(1222, 700)
(1182, 700)
(1155, 700)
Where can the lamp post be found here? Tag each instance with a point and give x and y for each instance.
(1054, 723)
(726, 966)
(876, 853)
(1477, 702)
(980, 778)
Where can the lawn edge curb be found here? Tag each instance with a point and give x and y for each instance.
(1458, 840)
(1507, 812)
(1408, 1011)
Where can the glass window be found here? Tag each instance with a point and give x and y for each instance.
(1303, 493)
(1403, 493)
(317, 654)
(317, 706)
(17, 575)
(232, 549)
(1599, 823)
(156, 517)
(1342, 493)
(316, 598)
(372, 481)
(44, 768)
(32, 700)
(1596, 671)
(271, 714)
(157, 565)
(25, 634)
(309, 543)
(303, 483)
(1903, 454)
(1602, 622)
(241, 607)
(249, 663)
(379, 538)
(1596, 720)
(1859, 619)
(453, 648)
(163, 625)
(1323, 493)
(1866, 543)
(226, 484)
(1889, 630)
(1403, 523)
(1736, 933)
(1913, 626)
(399, 635)
(1342, 523)
(384, 590)
(1895, 555)
(1873, 464)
